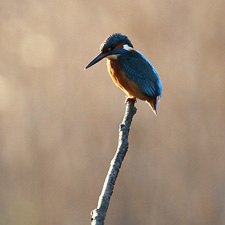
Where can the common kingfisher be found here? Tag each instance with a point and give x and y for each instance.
(130, 70)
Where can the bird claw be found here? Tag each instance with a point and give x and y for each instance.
(129, 98)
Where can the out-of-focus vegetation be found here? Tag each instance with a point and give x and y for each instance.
(59, 123)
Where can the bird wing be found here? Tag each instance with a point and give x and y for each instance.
(138, 69)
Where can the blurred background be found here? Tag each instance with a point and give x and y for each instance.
(59, 123)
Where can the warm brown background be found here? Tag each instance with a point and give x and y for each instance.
(59, 123)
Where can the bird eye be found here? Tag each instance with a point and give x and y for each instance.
(109, 49)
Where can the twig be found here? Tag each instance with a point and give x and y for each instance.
(98, 214)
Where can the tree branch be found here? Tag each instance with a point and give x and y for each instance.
(98, 214)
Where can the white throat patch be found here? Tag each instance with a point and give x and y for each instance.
(112, 56)
(127, 47)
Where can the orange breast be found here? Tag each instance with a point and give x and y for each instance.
(130, 88)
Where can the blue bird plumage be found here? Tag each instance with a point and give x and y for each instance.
(130, 70)
(113, 40)
(140, 70)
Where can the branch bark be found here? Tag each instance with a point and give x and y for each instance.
(98, 215)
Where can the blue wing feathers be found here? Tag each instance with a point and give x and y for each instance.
(140, 70)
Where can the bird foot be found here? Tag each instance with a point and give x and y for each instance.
(129, 98)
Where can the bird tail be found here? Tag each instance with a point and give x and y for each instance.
(153, 104)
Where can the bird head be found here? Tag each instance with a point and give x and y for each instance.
(116, 44)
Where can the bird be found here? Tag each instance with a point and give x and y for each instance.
(130, 70)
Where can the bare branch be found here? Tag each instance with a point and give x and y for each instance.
(98, 214)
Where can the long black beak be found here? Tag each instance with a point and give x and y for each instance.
(98, 58)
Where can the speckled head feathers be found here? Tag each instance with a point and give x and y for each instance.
(113, 40)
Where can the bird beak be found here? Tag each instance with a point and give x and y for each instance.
(98, 58)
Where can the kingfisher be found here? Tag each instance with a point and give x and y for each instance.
(130, 70)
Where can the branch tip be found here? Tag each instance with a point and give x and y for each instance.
(98, 214)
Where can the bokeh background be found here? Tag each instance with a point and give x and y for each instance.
(59, 123)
